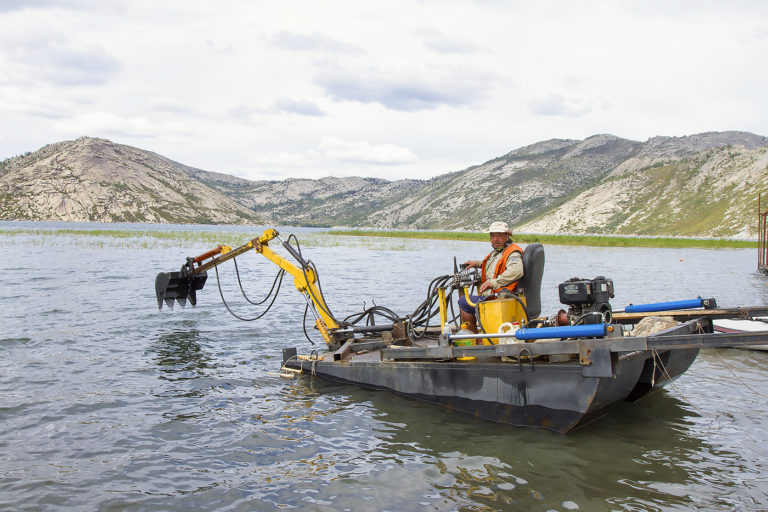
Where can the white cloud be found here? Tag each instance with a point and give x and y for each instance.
(313, 42)
(49, 56)
(439, 42)
(297, 106)
(280, 159)
(407, 89)
(356, 88)
(112, 125)
(559, 105)
(365, 152)
(33, 103)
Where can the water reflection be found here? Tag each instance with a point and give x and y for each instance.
(176, 410)
(184, 367)
(473, 463)
(179, 355)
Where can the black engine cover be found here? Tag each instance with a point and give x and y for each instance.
(586, 291)
(588, 299)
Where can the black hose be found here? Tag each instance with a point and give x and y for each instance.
(480, 324)
(239, 282)
(321, 303)
(304, 324)
(221, 293)
(371, 313)
(426, 310)
(580, 320)
(417, 323)
(480, 327)
(454, 316)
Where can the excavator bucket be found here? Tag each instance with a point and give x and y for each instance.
(176, 286)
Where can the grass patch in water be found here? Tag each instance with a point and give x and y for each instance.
(149, 238)
(129, 238)
(591, 240)
(192, 240)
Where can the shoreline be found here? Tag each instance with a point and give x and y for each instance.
(590, 240)
(151, 231)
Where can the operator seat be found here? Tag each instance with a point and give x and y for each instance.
(530, 283)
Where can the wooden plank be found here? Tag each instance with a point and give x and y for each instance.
(746, 312)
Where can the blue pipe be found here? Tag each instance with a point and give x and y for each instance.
(664, 306)
(566, 331)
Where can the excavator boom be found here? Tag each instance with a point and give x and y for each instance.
(182, 286)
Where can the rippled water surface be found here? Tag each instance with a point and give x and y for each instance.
(107, 403)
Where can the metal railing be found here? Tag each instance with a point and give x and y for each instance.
(762, 237)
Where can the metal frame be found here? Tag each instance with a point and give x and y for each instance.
(683, 336)
(762, 237)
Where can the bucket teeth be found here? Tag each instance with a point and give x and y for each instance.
(161, 284)
(175, 286)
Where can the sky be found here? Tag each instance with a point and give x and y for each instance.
(390, 89)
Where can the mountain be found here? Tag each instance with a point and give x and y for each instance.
(514, 187)
(98, 181)
(324, 202)
(698, 185)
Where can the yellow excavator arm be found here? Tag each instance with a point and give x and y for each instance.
(182, 286)
(304, 279)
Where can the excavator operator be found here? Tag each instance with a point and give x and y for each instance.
(500, 270)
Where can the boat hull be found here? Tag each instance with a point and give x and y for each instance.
(539, 394)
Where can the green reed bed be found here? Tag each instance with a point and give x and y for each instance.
(148, 239)
(195, 241)
(591, 240)
(205, 239)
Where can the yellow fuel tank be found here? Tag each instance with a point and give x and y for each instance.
(493, 313)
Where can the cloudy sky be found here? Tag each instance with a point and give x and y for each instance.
(387, 88)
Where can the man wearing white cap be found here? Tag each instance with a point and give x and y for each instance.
(501, 269)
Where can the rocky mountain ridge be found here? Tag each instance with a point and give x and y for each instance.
(98, 181)
(698, 185)
(671, 187)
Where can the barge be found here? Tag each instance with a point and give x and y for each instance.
(523, 369)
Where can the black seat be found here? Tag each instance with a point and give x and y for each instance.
(533, 266)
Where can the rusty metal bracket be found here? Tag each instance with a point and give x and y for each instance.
(595, 359)
(344, 352)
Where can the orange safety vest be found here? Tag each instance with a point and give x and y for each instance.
(502, 265)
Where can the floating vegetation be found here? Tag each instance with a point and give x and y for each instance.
(591, 240)
(184, 238)
(145, 239)
(374, 240)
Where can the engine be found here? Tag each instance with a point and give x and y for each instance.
(587, 299)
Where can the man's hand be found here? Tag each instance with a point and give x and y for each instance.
(486, 286)
(471, 263)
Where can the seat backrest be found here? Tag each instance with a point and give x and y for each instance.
(533, 268)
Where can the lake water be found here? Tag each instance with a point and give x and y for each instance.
(107, 403)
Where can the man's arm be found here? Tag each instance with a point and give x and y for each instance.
(512, 272)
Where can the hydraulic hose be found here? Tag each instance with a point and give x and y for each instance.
(279, 276)
(296, 252)
(221, 293)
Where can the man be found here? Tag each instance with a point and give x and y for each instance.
(501, 270)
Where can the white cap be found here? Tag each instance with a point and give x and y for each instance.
(499, 227)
